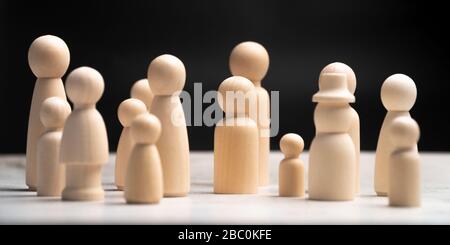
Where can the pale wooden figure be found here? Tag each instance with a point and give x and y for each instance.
(398, 95)
(338, 67)
(128, 110)
(251, 60)
(141, 91)
(332, 152)
(144, 177)
(50, 173)
(404, 163)
(49, 58)
(292, 170)
(166, 76)
(84, 144)
(236, 139)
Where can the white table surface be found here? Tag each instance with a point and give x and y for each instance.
(201, 206)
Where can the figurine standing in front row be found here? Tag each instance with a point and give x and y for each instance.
(332, 153)
(84, 144)
(404, 163)
(292, 170)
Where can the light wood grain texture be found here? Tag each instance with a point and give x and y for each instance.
(236, 147)
(332, 152)
(128, 110)
(48, 57)
(84, 144)
(354, 131)
(141, 91)
(251, 60)
(292, 170)
(144, 177)
(204, 207)
(404, 164)
(166, 76)
(50, 173)
(398, 95)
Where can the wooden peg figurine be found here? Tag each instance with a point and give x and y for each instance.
(144, 177)
(49, 59)
(338, 67)
(398, 95)
(292, 170)
(236, 139)
(50, 173)
(166, 76)
(128, 110)
(251, 60)
(141, 91)
(332, 153)
(404, 163)
(84, 144)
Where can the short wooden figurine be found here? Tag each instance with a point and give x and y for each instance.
(84, 144)
(144, 177)
(236, 139)
(128, 110)
(404, 163)
(50, 173)
(292, 170)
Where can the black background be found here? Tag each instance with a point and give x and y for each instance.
(120, 38)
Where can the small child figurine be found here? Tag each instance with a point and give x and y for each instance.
(404, 163)
(292, 169)
(144, 177)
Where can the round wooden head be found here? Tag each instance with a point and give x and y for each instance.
(166, 75)
(292, 145)
(250, 60)
(48, 57)
(141, 91)
(54, 112)
(404, 132)
(84, 86)
(338, 67)
(130, 109)
(236, 94)
(146, 129)
(398, 93)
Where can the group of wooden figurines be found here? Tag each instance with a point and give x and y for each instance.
(67, 149)
(334, 153)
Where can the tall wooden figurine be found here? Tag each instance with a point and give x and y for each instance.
(404, 163)
(50, 173)
(141, 91)
(292, 170)
(236, 139)
(167, 75)
(84, 144)
(398, 95)
(144, 177)
(338, 67)
(251, 60)
(332, 153)
(49, 59)
(128, 110)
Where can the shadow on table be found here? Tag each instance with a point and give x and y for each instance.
(17, 196)
(12, 189)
